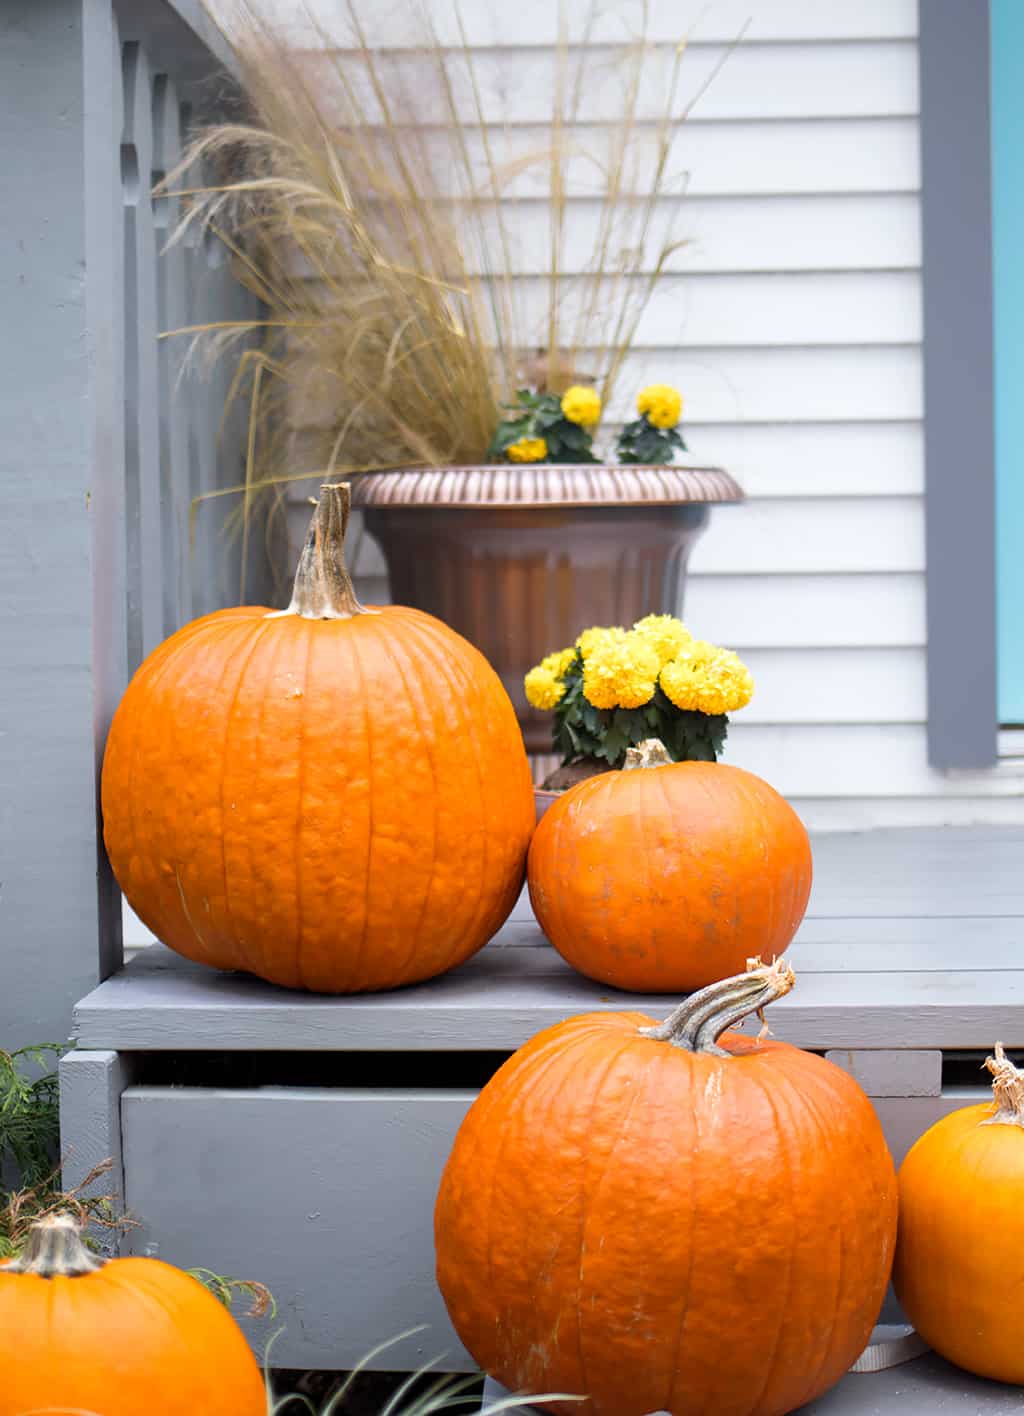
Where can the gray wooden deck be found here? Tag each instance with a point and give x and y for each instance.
(911, 960)
(913, 939)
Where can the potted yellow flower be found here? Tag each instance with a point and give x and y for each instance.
(563, 537)
(615, 688)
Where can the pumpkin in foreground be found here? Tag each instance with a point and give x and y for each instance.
(118, 1338)
(665, 876)
(959, 1270)
(661, 1221)
(332, 797)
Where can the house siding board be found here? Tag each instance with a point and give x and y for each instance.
(792, 320)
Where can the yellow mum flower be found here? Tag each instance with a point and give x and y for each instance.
(620, 673)
(559, 662)
(665, 634)
(527, 450)
(581, 405)
(662, 403)
(706, 679)
(597, 637)
(543, 689)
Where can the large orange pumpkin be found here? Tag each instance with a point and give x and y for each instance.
(959, 1269)
(665, 878)
(121, 1338)
(332, 797)
(635, 1214)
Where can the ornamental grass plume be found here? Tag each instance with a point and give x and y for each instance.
(615, 687)
(362, 196)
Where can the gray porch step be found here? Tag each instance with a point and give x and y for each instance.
(913, 939)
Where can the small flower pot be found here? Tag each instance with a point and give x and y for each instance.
(521, 559)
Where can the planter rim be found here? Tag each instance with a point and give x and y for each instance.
(544, 485)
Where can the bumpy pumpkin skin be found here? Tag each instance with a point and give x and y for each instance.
(959, 1270)
(332, 804)
(664, 1231)
(136, 1337)
(663, 879)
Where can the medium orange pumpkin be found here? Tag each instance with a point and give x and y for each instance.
(959, 1270)
(665, 878)
(332, 797)
(635, 1214)
(118, 1338)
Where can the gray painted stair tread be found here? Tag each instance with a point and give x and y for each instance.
(950, 975)
(922, 1387)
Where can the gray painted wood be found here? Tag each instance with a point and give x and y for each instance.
(503, 996)
(145, 569)
(946, 972)
(60, 497)
(325, 1196)
(958, 383)
(91, 464)
(91, 1084)
(891, 1071)
(923, 1387)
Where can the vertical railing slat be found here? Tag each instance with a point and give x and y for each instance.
(142, 391)
(172, 307)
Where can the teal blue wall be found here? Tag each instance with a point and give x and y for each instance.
(1008, 317)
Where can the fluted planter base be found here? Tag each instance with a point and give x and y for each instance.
(520, 560)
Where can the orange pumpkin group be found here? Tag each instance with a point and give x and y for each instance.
(333, 798)
(635, 1214)
(668, 877)
(959, 1270)
(121, 1338)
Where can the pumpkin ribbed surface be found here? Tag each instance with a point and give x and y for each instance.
(136, 1338)
(666, 1231)
(666, 878)
(333, 804)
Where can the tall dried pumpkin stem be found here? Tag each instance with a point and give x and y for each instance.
(698, 1023)
(1008, 1090)
(54, 1249)
(323, 586)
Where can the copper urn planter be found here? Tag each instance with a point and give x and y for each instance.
(521, 559)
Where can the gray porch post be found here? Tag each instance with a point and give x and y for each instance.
(62, 641)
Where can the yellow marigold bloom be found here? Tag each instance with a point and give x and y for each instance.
(597, 637)
(662, 403)
(706, 679)
(543, 689)
(620, 673)
(527, 450)
(665, 634)
(559, 662)
(581, 405)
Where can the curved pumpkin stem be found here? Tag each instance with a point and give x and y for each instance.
(1008, 1090)
(323, 586)
(697, 1024)
(54, 1249)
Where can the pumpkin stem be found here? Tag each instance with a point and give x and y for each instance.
(323, 586)
(697, 1023)
(1008, 1090)
(54, 1249)
(652, 752)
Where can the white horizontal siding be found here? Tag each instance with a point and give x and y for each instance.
(731, 310)
(790, 318)
(790, 610)
(717, 83)
(838, 232)
(535, 22)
